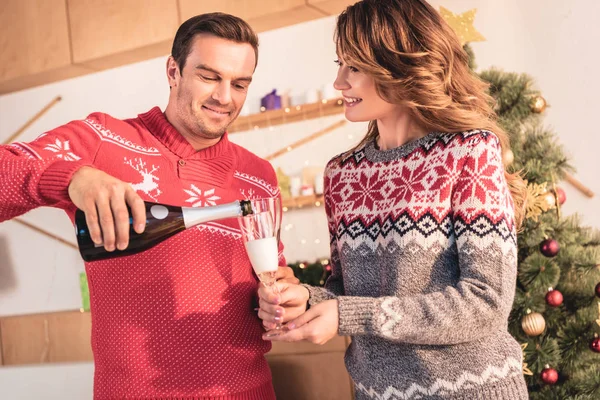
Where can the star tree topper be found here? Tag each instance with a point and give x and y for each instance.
(463, 25)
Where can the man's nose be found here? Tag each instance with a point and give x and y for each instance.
(222, 93)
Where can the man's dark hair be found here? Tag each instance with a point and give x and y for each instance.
(222, 25)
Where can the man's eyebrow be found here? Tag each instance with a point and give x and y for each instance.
(214, 71)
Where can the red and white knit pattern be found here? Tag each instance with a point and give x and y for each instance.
(423, 251)
(175, 321)
(417, 198)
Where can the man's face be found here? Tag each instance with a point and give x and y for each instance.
(210, 91)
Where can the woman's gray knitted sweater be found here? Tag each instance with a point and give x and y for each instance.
(423, 249)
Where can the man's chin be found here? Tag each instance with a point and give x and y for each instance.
(213, 132)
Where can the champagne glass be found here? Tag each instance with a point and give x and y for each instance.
(260, 233)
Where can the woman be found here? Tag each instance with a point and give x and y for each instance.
(422, 218)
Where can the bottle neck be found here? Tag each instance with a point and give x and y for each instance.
(196, 215)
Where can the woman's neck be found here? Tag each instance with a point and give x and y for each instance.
(398, 129)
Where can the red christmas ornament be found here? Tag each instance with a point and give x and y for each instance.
(597, 289)
(549, 247)
(561, 196)
(549, 375)
(554, 298)
(595, 345)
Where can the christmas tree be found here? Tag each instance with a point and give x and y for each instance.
(556, 312)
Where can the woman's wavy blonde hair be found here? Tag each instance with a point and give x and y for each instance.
(417, 61)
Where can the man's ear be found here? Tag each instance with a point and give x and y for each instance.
(173, 73)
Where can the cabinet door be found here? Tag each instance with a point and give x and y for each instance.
(262, 15)
(101, 29)
(34, 39)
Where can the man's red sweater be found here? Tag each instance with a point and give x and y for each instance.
(175, 321)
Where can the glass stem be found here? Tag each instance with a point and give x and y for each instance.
(268, 279)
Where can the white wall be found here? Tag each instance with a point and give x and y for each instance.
(553, 41)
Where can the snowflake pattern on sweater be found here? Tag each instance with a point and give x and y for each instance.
(423, 250)
(177, 320)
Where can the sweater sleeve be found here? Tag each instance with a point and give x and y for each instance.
(335, 285)
(38, 173)
(481, 300)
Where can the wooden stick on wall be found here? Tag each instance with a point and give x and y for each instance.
(32, 120)
(306, 140)
(45, 233)
(578, 185)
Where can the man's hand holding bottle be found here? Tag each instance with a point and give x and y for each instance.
(104, 200)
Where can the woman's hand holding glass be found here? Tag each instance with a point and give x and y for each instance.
(290, 302)
(317, 325)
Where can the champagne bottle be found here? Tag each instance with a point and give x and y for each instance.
(162, 222)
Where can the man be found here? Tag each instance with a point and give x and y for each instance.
(177, 320)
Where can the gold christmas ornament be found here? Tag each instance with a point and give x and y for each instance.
(533, 323)
(550, 199)
(537, 200)
(526, 370)
(538, 105)
(508, 157)
(462, 24)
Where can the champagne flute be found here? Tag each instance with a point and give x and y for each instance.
(260, 233)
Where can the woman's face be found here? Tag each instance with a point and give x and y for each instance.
(362, 103)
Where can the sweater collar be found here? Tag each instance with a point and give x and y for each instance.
(374, 154)
(157, 123)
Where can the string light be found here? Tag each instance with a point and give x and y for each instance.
(262, 109)
(285, 209)
(317, 203)
(290, 148)
(317, 241)
(303, 241)
(287, 109)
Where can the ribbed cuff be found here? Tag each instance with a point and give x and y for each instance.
(317, 295)
(54, 182)
(355, 315)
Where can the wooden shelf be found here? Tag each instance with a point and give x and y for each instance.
(302, 201)
(286, 115)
